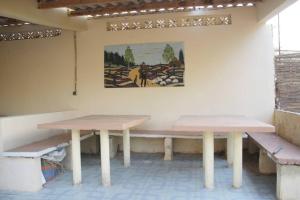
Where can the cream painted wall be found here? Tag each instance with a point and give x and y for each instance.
(36, 75)
(229, 70)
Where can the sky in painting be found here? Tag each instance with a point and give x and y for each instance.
(150, 53)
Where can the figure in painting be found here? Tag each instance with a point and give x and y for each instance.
(143, 74)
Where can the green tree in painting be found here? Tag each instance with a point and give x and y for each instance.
(168, 54)
(123, 61)
(129, 58)
(110, 57)
(105, 57)
(181, 56)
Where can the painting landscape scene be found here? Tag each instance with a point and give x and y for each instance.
(144, 65)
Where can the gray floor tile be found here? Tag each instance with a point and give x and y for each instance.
(149, 177)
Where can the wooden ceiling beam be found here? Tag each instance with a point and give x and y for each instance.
(138, 7)
(69, 3)
(153, 5)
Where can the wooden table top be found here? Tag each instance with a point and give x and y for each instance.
(98, 122)
(221, 124)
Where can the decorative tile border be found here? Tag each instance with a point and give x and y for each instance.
(203, 20)
(48, 33)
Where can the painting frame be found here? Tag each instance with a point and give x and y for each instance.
(159, 64)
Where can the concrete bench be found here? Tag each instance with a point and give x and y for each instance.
(278, 155)
(168, 136)
(20, 168)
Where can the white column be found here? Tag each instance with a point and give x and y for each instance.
(105, 162)
(237, 159)
(230, 149)
(76, 157)
(126, 147)
(208, 159)
(168, 149)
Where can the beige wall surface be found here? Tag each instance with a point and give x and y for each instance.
(20, 130)
(229, 70)
(36, 75)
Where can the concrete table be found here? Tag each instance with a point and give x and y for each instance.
(104, 123)
(235, 126)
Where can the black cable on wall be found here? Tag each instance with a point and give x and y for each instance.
(75, 63)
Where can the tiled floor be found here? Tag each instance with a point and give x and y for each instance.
(149, 177)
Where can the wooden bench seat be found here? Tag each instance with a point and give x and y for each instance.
(280, 156)
(279, 149)
(166, 133)
(168, 136)
(20, 168)
(40, 148)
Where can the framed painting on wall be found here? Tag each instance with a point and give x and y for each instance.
(144, 65)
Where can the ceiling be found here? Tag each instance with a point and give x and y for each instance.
(114, 8)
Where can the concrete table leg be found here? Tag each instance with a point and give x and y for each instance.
(126, 147)
(105, 162)
(237, 159)
(76, 157)
(230, 149)
(208, 159)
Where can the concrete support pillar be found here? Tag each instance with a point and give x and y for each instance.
(126, 147)
(105, 161)
(76, 157)
(288, 182)
(67, 161)
(237, 159)
(252, 148)
(266, 164)
(208, 159)
(113, 147)
(230, 149)
(168, 149)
